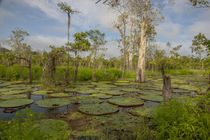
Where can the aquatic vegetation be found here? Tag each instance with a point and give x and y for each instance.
(144, 111)
(26, 125)
(126, 102)
(122, 84)
(60, 95)
(131, 90)
(15, 103)
(151, 92)
(53, 129)
(98, 109)
(53, 103)
(41, 92)
(75, 116)
(118, 121)
(7, 97)
(86, 91)
(154, 98)
(113, 92)
(102, 96)
(85, 100)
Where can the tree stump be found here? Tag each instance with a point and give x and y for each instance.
(167, 90)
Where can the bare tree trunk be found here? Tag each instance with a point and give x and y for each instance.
(75, 68)
(140, 73)
(124, 66)
(167, 90)
(127, 61)
(130, 61)
(94, 74)
(69, 18)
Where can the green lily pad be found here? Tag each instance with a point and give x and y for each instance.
(102, 96)
(122, 84)
(126, 102)
(119, 81)
(59, 95)
(142, 111)
(7, 97)
(12, 92)
(102, 88)
(131, 90)
(113, 92)
(15, 103)
(4, 90)
(148, 92)
(155, 98)
(118, 121)
(85, 100)
(53, 129)
(98, 109)
(53, 103)
(41, 92)
(86, 91)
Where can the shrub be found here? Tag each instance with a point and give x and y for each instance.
(177, 120)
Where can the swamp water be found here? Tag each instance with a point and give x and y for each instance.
(96, 108)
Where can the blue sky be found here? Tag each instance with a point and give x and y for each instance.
(47, 24)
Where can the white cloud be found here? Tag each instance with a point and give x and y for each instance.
(42, 42)
(200, 27)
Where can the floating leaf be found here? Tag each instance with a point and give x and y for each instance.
(98, 109)
(154, 98)
(102, 96)
(15, 103)
(53, 103)
(126, 102)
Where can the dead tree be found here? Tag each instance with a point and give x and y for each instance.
(167, 90)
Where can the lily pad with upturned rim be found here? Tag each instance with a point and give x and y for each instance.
(98, 109)
(7, 97)
(113, 92)
(102, 96)
(53, 103)
(154, 98)
(15, 103)
(41, 92)
(143, 111)
(60, 95)
(85, 100)
(126, 102)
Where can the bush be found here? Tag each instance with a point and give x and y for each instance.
(177, 120)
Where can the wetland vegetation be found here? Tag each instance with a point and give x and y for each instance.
(75, 92)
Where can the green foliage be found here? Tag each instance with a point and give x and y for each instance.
(177, 120)
(20, 127)
(26, 125)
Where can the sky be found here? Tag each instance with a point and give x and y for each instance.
(47, 24)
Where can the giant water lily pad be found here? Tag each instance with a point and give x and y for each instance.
(118, 121)
(131, 90)
(13, 92)
(126, 102)
(15, 103)
(53, 103)
(122, 84)
(154, 98)
(85, 100)
(144, 111)
(41, 92)
(60, 95)
(98, 109)
(102, 96)
(7, 97)
(86, 91)
(113, 92)
(53, 129)
(151, 92)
